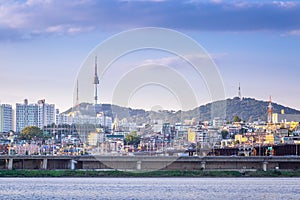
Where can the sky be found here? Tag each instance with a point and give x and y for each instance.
(45, 44)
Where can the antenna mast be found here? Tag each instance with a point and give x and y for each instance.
(77, 93)
(270, 111)
(96, 82)
(239, 92)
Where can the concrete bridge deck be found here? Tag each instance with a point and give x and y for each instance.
(150, 163)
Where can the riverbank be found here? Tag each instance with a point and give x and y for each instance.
(115, 173)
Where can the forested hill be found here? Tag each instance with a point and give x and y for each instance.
(248, 109)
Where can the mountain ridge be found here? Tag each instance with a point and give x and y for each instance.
(248, 109)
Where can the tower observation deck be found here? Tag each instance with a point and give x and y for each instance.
(96, 83)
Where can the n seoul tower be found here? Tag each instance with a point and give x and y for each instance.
(96, 82)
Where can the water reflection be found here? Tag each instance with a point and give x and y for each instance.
(149, 188)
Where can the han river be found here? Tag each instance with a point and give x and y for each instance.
(150, 188)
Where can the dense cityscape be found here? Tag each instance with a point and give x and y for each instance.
(40, 129)
(149, 99)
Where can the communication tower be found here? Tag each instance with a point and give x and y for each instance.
(239, 92)
(270, 110)
(96, 82)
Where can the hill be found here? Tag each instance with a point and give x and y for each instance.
(248, 109)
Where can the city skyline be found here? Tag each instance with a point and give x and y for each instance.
(252, 42)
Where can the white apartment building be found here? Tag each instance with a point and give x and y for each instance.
(40, 114)
(6, 118)
(46, 113)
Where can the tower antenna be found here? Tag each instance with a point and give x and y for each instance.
(239, 92)
(77, 93)
(96, 82)
(270, 110)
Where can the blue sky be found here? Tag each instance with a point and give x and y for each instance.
(44, 43)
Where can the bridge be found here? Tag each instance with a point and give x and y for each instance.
(144, 163)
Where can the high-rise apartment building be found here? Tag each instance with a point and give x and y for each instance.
(26, 115)
(5, 118)
(40, 114)
(46, 113)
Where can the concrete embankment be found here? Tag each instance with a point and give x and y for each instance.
(148, 163)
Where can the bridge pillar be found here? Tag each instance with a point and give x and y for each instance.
(10, 164)
(72, 164)
(139, 165)
(264, 166)
(203, 163)
(44, 163)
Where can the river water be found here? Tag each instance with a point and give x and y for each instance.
(150, 188)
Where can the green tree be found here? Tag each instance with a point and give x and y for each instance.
(236, 142)
(132, 138)
(236, 119)
(31, 132)
(224, 134)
